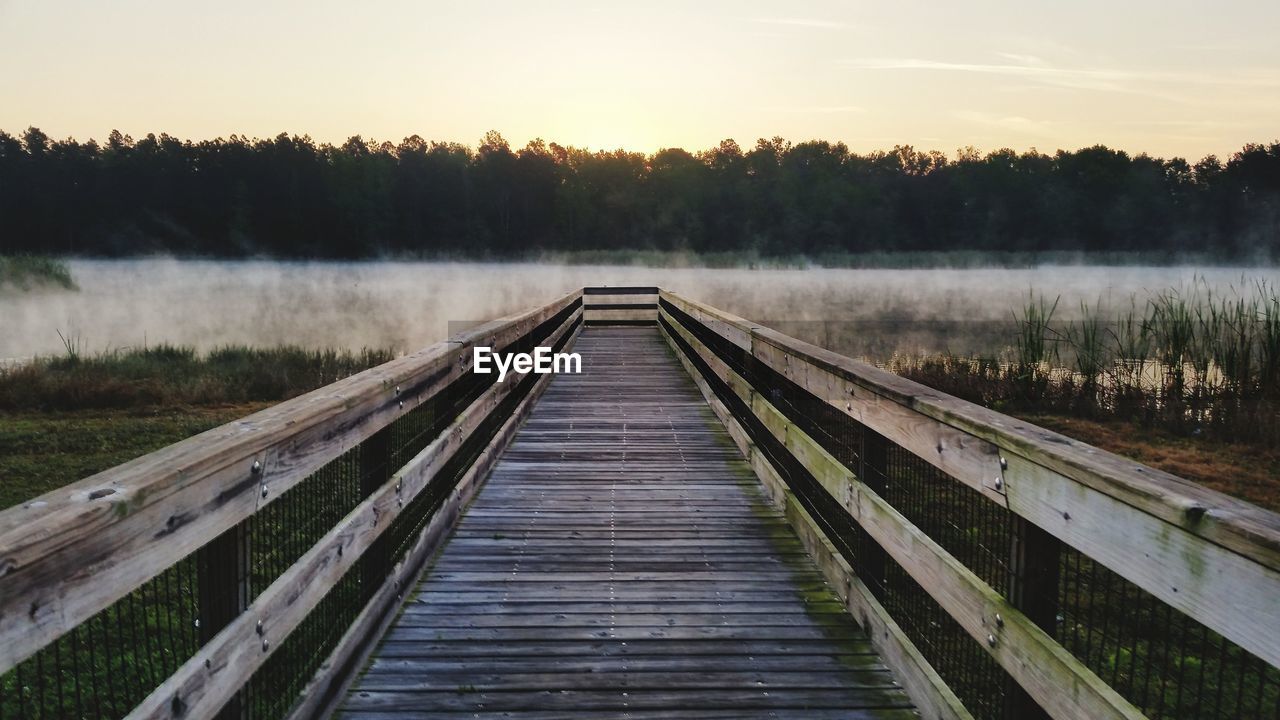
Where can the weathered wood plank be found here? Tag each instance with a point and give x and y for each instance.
(1220, 588)
(586, 703)
(622, 533)
(866, 662)
(1244, 528)
(333, 676)
(969, 459)
(620, 290)
(611, 648)
(222, 666)
(377, 679)
(73, 551)
(614, 314)
(1056, 679)
(1177, 540)
(644, 714)
(405, 633)
(934, 700)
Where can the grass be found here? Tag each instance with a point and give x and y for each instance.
(110, 662)
(1189, 362)
(40, 451)
(1174, 383)
(27, 272)
(1246, 471)
(68, 417)
(166, 376)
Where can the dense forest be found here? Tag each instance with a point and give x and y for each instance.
(292, 197)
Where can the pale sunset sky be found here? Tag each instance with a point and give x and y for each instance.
(1169, 78)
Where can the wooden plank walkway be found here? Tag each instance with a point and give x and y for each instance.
(620, 562)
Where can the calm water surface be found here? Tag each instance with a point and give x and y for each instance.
(866, 313)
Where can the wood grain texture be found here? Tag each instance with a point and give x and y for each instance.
(621, 560)
(331, 680)
(1055, 678)
(1062, 685)
(616, 314)
(933, 698)
(1244, 528)
(1153, 546)
(204, 683)
(73, 551)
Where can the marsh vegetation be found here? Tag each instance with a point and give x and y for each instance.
(1176, 367)
(68, 416)
(1079, 348)
(31, 272)
(1195, 359)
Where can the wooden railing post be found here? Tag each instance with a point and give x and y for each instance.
(222, 582)
(1034, 555)
(873, 471)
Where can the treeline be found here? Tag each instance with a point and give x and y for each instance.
(292, 197)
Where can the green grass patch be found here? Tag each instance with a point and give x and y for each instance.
(40, 452)
(65, 418)
(167, 376)
(27, 272)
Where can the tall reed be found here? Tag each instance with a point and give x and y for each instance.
(1187, 359)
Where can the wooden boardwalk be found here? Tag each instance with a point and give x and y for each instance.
(620, 562)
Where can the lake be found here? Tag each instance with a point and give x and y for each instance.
(869, 313)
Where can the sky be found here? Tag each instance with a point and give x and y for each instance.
(1168, 78)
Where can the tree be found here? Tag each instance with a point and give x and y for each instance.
(288, 196)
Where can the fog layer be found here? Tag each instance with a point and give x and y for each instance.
(405, 305)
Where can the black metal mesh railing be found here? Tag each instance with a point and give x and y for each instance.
(107, 665)
(1164, 662)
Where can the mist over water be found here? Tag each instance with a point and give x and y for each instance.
(869, 313)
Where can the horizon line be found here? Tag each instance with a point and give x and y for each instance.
(788, 143)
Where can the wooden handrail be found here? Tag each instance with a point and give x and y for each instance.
(1187, 545)
(72, 552)
(204, 683)
(1247, 529)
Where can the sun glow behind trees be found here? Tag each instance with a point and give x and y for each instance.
(1183, 79)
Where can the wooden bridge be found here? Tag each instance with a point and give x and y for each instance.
(712, 520)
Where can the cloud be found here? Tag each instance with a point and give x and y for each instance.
(802, 22)
(1207, 124)
(1074, 77)
(818, 109)
(1020, 70)
(1021, 59)
(1014, 123)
